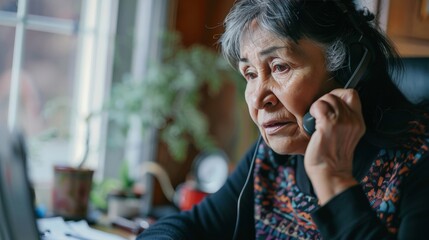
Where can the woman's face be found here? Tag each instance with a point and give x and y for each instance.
(283, 80)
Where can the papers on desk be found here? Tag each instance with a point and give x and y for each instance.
(56, 228)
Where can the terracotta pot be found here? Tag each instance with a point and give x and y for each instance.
(72, 187)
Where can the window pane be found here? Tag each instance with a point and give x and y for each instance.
(7, 36)
(64, 9)
(47, 83)
(8, 5)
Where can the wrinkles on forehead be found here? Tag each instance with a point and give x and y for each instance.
(254, 35)
(259, 43)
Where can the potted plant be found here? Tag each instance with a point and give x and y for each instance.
(117, 197)
(167, 97)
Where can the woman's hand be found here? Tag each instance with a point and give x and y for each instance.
(329, 154)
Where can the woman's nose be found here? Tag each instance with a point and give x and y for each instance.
(263, 97)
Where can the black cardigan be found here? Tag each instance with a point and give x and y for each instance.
(346, 216)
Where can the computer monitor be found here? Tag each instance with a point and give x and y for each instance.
(17, 215)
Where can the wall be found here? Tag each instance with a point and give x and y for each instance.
(408, 26)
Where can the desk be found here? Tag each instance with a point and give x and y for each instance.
(57, 228)
(123, 227)
(105, 225)
(116, 231)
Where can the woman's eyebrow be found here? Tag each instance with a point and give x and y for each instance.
(271, 50)
(267, 51)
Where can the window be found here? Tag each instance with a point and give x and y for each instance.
(55, 63)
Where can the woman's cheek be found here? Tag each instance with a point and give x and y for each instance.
(252, 110)
(248, 97)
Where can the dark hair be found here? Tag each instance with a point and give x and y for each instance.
(325, 22)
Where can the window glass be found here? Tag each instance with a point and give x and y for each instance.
(64, 9)
(47, 84)
(7, 36)
(8, 5)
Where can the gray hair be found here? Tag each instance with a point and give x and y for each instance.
(335, 55)
(280, 18)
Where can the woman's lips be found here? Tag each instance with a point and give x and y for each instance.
(274, 127)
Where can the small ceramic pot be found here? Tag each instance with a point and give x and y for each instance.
(122, 205)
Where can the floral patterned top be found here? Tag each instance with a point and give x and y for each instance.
(284, 211)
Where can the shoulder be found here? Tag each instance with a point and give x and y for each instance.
(412, 147)
(404, 129)
(402, 151)
(416, 141)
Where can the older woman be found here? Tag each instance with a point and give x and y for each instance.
(355, 169)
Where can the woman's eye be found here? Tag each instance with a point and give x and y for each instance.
(249, 75)
(280, 68)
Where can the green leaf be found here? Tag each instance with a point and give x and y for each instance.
(167, 96)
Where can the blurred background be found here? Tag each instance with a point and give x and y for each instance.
(67, 67)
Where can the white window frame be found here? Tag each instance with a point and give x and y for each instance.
(94, 72)
(93, 69)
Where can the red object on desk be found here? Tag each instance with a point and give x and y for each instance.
(189, 196)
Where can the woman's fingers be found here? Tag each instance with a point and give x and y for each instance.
(336, 99)
(329, 154)
(340, 106)
(326, 108)
(348, 96)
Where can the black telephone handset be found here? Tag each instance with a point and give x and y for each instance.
(309, 123)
